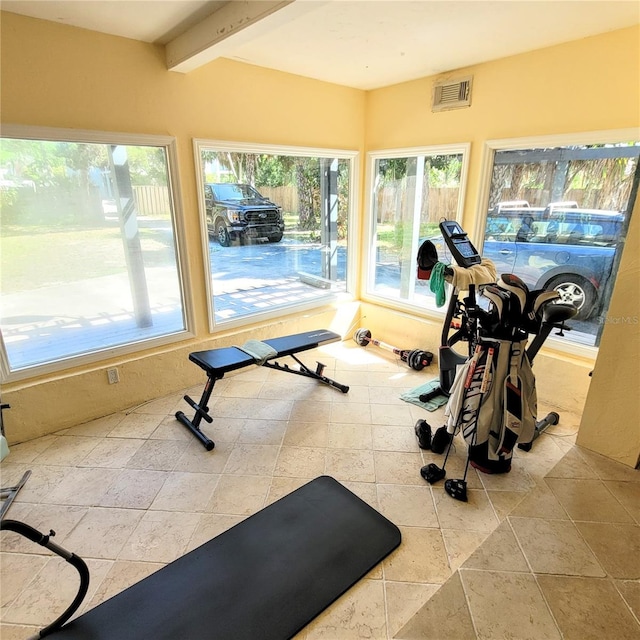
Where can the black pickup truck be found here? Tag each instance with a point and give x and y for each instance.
(237, 212)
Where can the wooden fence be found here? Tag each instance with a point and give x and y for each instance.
(152, 200)
(285, 197)
(392, 204)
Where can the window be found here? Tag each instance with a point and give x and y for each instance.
(411, 191)
(89, 258)
(276, 223)
(557, 217)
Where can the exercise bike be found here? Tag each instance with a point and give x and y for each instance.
(491, 390)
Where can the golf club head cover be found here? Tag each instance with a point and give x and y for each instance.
(432, 473)
(423, 433)
(440, 440)
(427, 258)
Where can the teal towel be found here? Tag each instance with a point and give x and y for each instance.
(436, 283)
(413, 396)
(259, 351)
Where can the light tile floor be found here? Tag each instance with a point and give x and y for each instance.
(550, 550)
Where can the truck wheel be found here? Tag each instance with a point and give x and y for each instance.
(275, 238)
(575, 290)
(222, 234)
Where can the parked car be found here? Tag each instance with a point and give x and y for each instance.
(237, 212)
(561, 247)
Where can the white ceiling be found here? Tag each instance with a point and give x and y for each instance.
(365, 44)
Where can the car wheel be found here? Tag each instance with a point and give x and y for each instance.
(575, 290)
(275, 238)
(222, 234)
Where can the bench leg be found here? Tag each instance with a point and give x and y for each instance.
(308, 373)
(201, 411)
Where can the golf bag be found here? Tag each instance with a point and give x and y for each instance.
(493, 402)
(493, 398)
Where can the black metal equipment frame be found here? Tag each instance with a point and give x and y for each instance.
(468, 312)
(75, 561)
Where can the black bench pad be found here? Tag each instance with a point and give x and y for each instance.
(217, 362)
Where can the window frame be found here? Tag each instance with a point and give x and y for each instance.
(369, 253)
(535, 142)
(169, 143)
(353, 226)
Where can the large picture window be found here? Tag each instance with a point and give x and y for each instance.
(89, 259)
(277, 227)
(557, 217)
(411, 191)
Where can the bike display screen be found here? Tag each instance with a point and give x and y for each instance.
(464, 253)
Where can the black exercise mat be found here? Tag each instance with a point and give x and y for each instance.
(264, 579)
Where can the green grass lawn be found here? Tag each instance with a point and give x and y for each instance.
(33, 257)
(30, 260)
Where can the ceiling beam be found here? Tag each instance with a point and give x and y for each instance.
(212, 38)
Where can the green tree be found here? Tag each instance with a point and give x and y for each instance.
(147, 166)
(308, 184)
(241, 165)
(274, 171)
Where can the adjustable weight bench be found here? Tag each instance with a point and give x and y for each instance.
(217, 362)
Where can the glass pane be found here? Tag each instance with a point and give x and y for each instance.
(558, 219)
(410, 197)
(277, 229)
(88, 250)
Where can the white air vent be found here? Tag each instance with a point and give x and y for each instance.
(452, 94)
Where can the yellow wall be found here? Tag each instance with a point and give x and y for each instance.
(611, 419)
(59, 76)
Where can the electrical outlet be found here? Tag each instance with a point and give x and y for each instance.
(113, 376)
